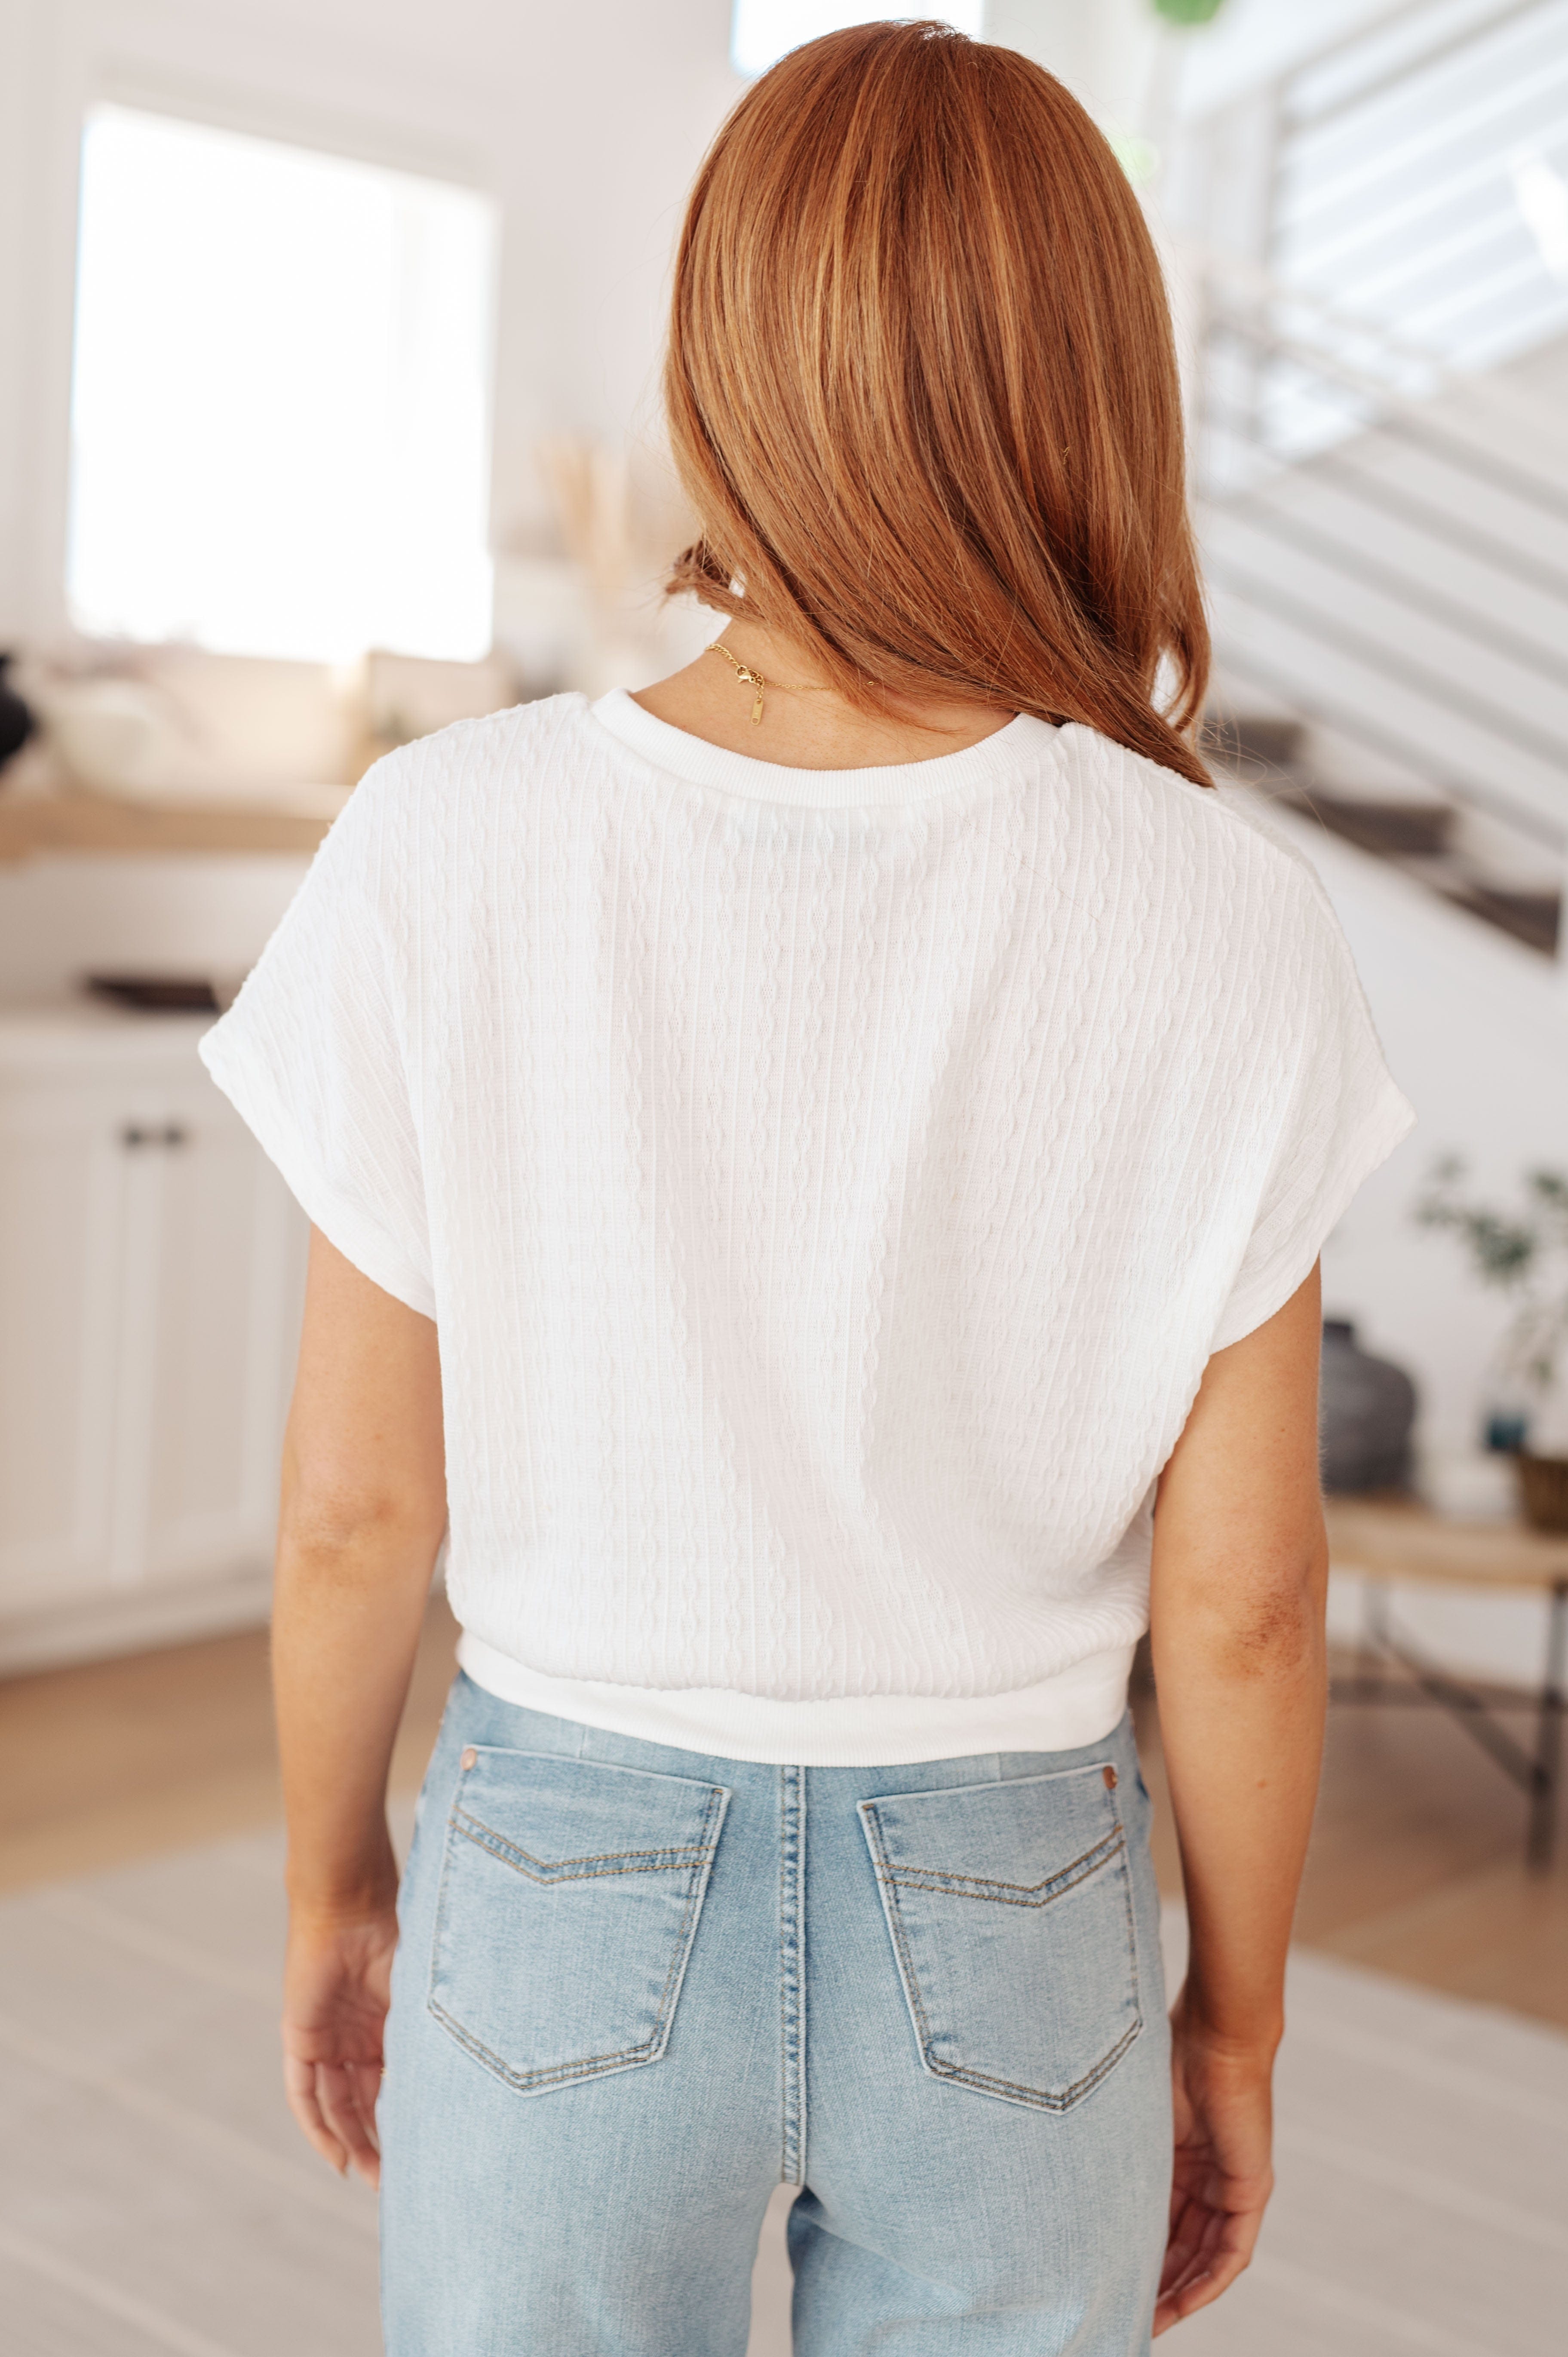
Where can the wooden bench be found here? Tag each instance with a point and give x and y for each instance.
(1390, 1542)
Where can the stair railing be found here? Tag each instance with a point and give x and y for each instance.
(1237, 462)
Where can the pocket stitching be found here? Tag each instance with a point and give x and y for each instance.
(512, 1854)
(1016, 1894)
(1061, 2102)
(958, 2073)
(595, 2065)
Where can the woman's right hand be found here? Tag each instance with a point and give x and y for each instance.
(336, 1989)
(1223, 2176)
(363, 1508)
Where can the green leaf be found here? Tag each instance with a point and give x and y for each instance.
(1519, 1254)
(1188, 12)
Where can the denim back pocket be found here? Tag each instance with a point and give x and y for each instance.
(1010, 1912)
(570, 1892)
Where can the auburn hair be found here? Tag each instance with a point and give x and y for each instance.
(922, 391)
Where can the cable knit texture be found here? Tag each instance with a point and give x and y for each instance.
(828, 1185)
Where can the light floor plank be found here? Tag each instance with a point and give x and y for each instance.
(53, 2307)
(142, 2209)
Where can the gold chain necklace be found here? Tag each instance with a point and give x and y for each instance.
(752, 678)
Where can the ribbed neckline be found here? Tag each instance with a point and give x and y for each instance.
(703, 764)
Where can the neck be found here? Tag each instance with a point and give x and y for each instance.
(806, 724)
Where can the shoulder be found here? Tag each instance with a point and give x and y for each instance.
(470, 757)
(417, 805)
(1225, 831)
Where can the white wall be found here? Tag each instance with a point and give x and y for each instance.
(1104, 50)
(1476, 1029)
(586, 123)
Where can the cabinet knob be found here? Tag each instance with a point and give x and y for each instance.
(136, 1133)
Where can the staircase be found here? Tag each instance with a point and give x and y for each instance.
(1381, 444)
(1408, 178)
(1421, 835)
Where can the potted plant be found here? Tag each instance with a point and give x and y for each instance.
(1525, 1253)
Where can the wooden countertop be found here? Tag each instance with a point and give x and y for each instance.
(1388, 1538)
(31, 823)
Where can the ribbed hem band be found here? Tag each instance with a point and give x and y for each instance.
(1079, 1705)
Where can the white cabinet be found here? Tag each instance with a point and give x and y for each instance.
(60, 1198)
(151, 1276)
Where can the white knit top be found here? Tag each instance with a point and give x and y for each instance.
(828, 1186)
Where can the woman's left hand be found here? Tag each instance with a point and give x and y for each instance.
(1222, 2177)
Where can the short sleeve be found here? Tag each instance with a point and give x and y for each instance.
(1343, 1116)
(313, 1051)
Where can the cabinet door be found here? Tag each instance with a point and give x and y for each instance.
(61, 1203)
(215, 1272)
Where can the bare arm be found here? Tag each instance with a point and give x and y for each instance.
(1238, 1581)
(364, 1504)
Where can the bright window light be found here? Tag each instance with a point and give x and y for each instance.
(280, 413)
(1541, 193)
(764, 30)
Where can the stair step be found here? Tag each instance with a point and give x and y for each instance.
(1396, 829)
(1534, 918)
(1415, 837)
(1251, 742)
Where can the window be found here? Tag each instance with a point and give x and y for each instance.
(764, 30)
(280, 435)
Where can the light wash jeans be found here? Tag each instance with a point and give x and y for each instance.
(636, 1988)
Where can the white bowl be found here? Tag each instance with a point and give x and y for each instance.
(109, 733)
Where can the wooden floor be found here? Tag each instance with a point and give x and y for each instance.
(132, 1757)
(1416, 1868)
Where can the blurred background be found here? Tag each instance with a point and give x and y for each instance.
(327, 416)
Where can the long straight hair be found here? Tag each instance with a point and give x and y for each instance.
(922, 391)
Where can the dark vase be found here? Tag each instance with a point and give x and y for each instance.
(16, 721)
(1365, 1411)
